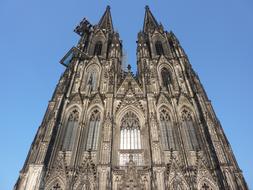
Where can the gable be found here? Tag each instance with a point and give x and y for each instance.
(129, 83)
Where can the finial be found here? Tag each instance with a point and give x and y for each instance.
(147, 7)
(129, 67)
(108, 7)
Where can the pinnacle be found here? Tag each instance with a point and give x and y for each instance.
(129, 67)
(149, 20)
(106, 20)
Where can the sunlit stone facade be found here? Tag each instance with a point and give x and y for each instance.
(106, 128)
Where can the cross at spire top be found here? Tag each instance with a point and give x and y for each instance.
(149, 20)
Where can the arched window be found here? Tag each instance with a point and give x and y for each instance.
(92, 79)
(159, 48)
(70, 131)
(93, 131)
(130, 139)
(189, 132)
(165, 74)
(98, 48)
(167, 131)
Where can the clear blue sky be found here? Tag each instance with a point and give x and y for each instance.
(35, 35)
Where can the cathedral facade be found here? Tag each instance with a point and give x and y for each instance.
(106, 128)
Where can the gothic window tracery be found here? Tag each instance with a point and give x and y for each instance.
(177, 184)
(130, 139)
(189, 132)
(165, 74)
(92, 77)
(159, 48)
(92, 80)
(98, 48)
(93, 131)
(167, 131)
(71, 131)
(206, 187)
(56, 187)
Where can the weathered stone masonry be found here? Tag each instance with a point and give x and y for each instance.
(106, 128)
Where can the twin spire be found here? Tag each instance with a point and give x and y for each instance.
(150, 22)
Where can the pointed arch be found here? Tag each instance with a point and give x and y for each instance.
(138, 123)
(70, 130)
(93, 130)
(99, 35)
(159, 48)
(70, 108)
(98, 48)
(92, 76)
(138, 112)
(97, 45)
(160, 44)
(188, 130)
(166, 77)
(167, 130)
(184, 102)
(130, 132)
(130, 139)
(178, 183)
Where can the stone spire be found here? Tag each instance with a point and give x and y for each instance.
(106, 20)
(150, 22)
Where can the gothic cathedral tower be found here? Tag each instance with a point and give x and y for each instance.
(108, 129)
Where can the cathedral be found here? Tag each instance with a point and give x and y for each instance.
(106, 128)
